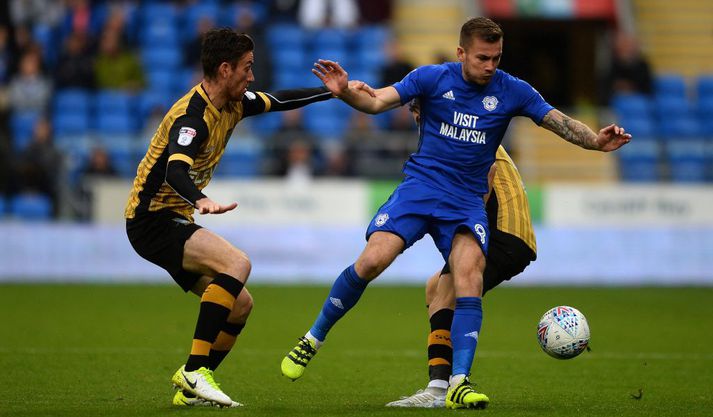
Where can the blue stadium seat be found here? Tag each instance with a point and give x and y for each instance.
(69, 123)
(31, 206)
(116, 124)
(113, 101)
(327, 120)
(330, 38)
(369, 59)
(158, 24)
(265, 124)
(677, 127)
(639, 126)
(125, 159)
(372, 37)
(667, 107)
(639, 160)
(240, 160)
(164, 57)
(72, 100)
(626, 105)
(337, 54)
(285, 35)
(197, 12)
(670, 85)
(368, 75)
(290, 59)
(162, 79)
(704, 87)
(22, 125)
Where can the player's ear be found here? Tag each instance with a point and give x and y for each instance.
(460, 53)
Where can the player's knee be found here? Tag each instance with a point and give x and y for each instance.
(242, 307)
(369, 266)
(240, 266)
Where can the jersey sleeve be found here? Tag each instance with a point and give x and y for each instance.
(260, 102)
(416, 83)
(185, 138)
(531, 102)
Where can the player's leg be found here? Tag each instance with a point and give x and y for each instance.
(380, 251)
(223, 343)
(439, 300)
(467, 262)
(210, 255)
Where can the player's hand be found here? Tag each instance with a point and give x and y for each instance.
(207, 206)
(362, 86)
(612, 138)
(332, 76)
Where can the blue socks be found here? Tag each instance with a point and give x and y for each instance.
(465, 330)
(345, 293)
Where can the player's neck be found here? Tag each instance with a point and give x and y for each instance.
(215, 94)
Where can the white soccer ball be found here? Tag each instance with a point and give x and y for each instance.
(563, 332)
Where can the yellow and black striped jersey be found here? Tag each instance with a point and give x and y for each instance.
(513, 210)
(195, 132)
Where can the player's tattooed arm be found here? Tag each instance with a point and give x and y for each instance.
(608, 139)
(569, 129)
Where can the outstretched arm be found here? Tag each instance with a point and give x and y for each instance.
(608, 139)
(336, 79)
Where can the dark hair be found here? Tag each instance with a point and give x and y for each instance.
(481, 28)
(223, 45)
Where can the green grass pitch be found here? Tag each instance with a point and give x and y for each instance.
(105, 350)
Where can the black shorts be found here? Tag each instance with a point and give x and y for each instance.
(508, 255)
(159, 237)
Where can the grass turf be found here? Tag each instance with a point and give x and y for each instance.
(92, 350)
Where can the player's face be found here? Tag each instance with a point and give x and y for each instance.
(480, 60)
(240, 77)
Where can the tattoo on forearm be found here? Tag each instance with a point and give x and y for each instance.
(571, 130)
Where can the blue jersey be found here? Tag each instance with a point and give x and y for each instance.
(463, 123)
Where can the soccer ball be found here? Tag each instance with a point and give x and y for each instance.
(563, 332)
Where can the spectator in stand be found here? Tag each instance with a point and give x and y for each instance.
(192, 48)
(283, 11)
(30, 90)
(394, 70)
(291, 148)
(99, 165)
(116, 67)
(315, 14)
(375, 12)
(246, 22)
(75, 68)
(6, 55)
(630, 71)
(40, 164)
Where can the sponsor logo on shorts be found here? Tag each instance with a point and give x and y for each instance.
(480, 231)
(186, 135)
(381, 219)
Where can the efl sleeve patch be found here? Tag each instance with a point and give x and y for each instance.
(186, 135)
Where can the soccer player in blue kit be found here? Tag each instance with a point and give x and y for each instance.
(466, 107)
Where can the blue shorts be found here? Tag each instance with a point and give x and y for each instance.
(416, 208)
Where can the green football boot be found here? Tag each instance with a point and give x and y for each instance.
(294, 364)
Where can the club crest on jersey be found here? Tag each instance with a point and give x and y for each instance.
(381, 219)
(480, 231)
(186, 135)
(490, 103)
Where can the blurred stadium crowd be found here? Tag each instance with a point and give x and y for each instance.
(83, 84)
